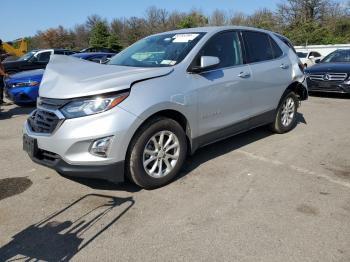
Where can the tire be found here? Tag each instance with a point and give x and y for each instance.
(148, 164)
(286, 116)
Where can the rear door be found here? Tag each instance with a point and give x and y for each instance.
(271, 72)
(222, 98)
(40, 60)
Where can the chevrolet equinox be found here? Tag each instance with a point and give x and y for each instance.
(161, 98)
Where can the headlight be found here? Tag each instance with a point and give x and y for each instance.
(29, 83)
(93, 106)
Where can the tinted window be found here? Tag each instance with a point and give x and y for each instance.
(340, 56)
(59, 52)
(286, 41)
(44, 57)
(277, 52)
(315, 54)
(258, 47)
(226, 47)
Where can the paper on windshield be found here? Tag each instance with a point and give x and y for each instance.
(168, 62)
(184, 38)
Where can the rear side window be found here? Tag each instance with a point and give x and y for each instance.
(258, 47)
(277, 52)
(286, 41)
(226, 46)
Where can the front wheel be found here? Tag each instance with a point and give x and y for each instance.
(156, 153)
(285, 119)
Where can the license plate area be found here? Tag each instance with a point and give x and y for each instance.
(30, 145)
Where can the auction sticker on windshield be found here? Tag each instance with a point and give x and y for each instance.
(184, 38)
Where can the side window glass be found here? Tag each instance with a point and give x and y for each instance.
(226, 46)
(317, 54)
(44, 57)
(258, 46)
(277, 52)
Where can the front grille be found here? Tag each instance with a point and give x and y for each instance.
(42, 121)
(336, 77)
(52, 104)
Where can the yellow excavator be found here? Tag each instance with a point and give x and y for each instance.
(16, 48)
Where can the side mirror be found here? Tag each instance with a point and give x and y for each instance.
(311, 57)
(317, 60)
(206, 62)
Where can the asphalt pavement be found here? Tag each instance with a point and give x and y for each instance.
(254, 197)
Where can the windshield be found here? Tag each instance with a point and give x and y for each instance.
(302, 54)
(158, 51)
(342, 56)
(27, 56)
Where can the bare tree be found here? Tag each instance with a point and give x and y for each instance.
(264, 19)
(92, 20)
(156, 19)
(218, 18)
(302, 11)
(81, 37)
(237, 18)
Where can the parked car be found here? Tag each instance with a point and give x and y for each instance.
(22, 88)
(97, 50)
(309, 58)
(36, 59)
(163, 97)
(99, 57)
(332, 74)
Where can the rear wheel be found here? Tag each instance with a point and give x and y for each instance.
(157, 153)
(285, 119)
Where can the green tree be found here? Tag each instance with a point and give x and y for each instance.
(113, 43)
(99, 35)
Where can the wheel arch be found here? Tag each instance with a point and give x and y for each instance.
(171, 114)
(299, 89)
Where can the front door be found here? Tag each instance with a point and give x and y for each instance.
(223, 103)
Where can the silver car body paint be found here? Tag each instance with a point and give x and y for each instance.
(208, 101)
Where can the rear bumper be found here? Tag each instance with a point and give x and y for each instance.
(113, 172)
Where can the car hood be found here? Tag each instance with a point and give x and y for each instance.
(329, 67)
(69, 77)
(26, 76)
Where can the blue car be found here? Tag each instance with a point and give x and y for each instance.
(23, 88)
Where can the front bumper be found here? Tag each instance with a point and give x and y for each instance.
(22, 95)
(66, 149)
(327, 86)
(111, 172)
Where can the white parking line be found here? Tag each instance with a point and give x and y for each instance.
(296, 168)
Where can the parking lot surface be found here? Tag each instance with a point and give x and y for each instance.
(254, 197)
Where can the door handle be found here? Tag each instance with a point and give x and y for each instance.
(284, 66)
(244, 75)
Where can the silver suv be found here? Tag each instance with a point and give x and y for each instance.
(160, 99)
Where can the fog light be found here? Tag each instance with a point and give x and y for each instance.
(100, 147)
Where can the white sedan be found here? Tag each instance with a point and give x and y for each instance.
(309, 58)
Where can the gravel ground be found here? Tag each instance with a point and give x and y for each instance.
(254, 197)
